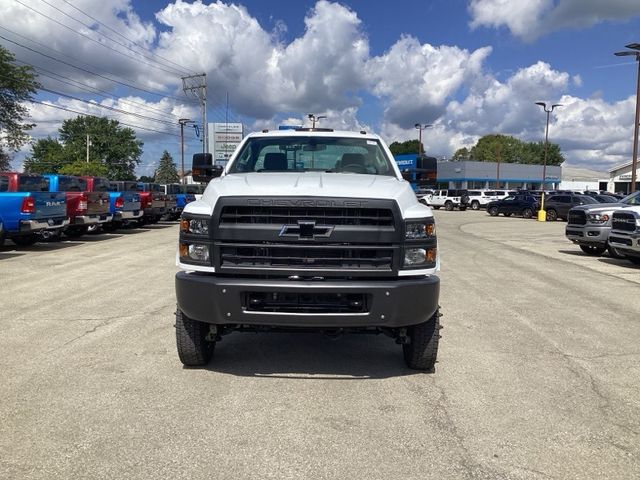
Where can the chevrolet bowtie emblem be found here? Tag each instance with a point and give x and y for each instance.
(306, 230)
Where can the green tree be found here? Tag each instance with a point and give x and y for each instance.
(400, 148)
(147, 179)
(17, 85)
(80, 167)
(4, 161)
(47, 156)
(110, 145)
(166, 171)
(508, 149)
(461, 155)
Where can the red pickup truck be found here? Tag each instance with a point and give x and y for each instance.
(84, 208)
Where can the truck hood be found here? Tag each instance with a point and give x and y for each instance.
(310, 184)
(601, 207)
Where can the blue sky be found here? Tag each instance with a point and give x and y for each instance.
(469, 67)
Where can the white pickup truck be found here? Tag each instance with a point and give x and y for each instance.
(307, 230)
(625, 233)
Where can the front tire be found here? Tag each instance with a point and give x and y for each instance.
(593, 250)
(422, 350)
(448, 206)
(475, 205)
(552, 215)
(493, 211)
(527, 213)
(194, 350)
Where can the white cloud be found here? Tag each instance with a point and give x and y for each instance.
(415, 81)
(530, 19)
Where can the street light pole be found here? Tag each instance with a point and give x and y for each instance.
(542, 216)
(634, 162)
(182, 122)
(420, 128)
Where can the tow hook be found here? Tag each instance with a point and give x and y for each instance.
(212, 336)
(403, 338)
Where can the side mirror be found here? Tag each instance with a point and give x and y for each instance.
(407, 175)
(202, 168)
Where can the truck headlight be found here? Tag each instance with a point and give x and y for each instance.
(194, 251)
(597, 218)
(196, 226)
(419, 230)
(420, 257)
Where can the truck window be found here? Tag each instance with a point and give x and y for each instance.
(301, 154)
(100, 185)
(4, 184)
(32, 183)
(71, 184)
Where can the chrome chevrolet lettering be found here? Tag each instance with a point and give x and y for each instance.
(285, 202)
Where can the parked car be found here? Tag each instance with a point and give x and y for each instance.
(589, 225)
(449, 199)
(123, 206)
(182, 198)
(558, 206)
(27, 208)
(479, 199)
(525, 205)
(84, 208)
(152, 202)
(602, 198)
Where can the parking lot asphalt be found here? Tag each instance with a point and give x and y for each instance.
(538, 374)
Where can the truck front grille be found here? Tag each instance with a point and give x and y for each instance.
(577, 217)
(311, 303)
(307, 257)
(623, 221)
(232, 214)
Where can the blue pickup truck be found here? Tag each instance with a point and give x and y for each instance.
(124, 207)
(182, 198)
(27, 209)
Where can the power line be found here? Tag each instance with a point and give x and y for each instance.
(93, 39)
(113, 80)
(127, 38)
(179, 72)
(96, 91)
(96, 116)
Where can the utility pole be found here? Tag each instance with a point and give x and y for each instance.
(183, 122)
(88, 143)
(634, 160)
(542, 214)
(421, 127)
(196, 85)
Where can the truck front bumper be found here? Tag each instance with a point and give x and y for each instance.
(32, 226)
(628, 244)
(91, 219)
(588, 234)
(388, 303)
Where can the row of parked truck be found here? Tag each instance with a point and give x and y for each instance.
(39, 207)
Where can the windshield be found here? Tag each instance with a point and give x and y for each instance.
(633, 199)
(302, 154)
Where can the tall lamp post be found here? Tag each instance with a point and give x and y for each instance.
(542, 215)
(421, 127)
(183, 122)
(634, 162)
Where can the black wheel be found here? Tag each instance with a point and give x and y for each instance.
(593, 250)
(615, 253)
(75, 232)
(422, 350)
(191, 339)
(552, 215)
(493, 211)
(527, 213)
(25, 240)
(448, 205)
(634, 260)
(475, 205)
